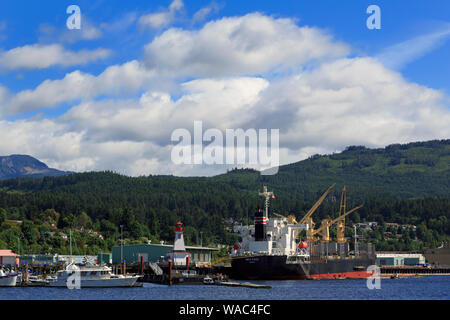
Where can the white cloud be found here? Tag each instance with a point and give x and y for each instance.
(176, 5)
(332, 103)
(114, 81)
(401, 54)
(161, 19)
(155, 115)
(121, 24)
(248, 45)
(351, 101)
(43, 56)
(50, 142)
(204, 12)
(345, 102)
(88, 32)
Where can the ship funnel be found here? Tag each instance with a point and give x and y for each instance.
(260, 225)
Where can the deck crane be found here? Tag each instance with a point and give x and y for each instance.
(316, 205)
(217, 261)
(307, 218)
(290, 218)
(341, 223)
(324, 229)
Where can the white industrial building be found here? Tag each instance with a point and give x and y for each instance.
(399, 259)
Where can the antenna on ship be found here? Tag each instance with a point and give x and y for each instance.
(267, 195)
(70, 245)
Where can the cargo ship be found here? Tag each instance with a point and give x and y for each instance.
(269, 248)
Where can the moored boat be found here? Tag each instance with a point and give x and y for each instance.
(92, 276)
(7, 279)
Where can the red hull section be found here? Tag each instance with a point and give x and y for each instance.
(343, 275)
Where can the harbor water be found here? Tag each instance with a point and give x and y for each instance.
(431, 287)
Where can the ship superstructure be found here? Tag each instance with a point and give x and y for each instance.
(269, 248)
(274, 237)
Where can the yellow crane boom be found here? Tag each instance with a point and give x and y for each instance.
(326, 224)
(290, 218)
(341, 223)
(278, 215)
(213, 263)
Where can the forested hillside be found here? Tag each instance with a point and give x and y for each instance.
(405, 184)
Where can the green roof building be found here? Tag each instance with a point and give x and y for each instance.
(153, 252)
(104, 258)
(399, 259)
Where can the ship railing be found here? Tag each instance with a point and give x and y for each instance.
(156, 268)
(297, 259)
(277, 252)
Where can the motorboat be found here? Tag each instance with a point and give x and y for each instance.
(91, 276)
(36, 280)
(208, 280)
(7, 279)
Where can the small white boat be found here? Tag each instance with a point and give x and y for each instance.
(37, 280)
(7, 279)
(208, 280)
(51, 278)
(91, 276)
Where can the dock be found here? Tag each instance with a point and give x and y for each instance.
(246, 285)
(400, 276)
(31, 284)
(179, 279)
(414, 270)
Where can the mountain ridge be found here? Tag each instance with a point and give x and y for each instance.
(20, 165)
(413, 170)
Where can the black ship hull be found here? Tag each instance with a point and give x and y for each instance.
(272, 267)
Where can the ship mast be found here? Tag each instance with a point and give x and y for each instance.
(267, 195)
(71, 245)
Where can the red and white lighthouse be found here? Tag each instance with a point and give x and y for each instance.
(179, 255)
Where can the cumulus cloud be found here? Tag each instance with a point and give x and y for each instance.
(156, 115)
(115, 81)
(63, 149)
(348, 102)
(161, 19)
(239, 46)
(123, 118)
(43, 56)
(345, 102)
(248, 45)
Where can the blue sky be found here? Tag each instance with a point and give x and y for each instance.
(401, 20)
(411, 50)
